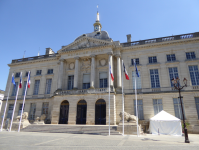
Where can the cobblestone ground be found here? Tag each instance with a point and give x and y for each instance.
(60, 141)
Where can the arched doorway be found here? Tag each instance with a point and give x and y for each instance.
(100, 112)
(81, 112)
(64, 109)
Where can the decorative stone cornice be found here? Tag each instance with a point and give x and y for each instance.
(109, 53)
(93, 55)
(76, 58)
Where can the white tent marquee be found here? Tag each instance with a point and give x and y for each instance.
(166, 124)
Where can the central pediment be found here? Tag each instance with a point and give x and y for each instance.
(85, 42)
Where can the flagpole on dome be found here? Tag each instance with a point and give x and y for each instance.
(7, 102)
(135, 72)
(27, 83)
(15, 103)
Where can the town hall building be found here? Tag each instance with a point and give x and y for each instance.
(71, 85)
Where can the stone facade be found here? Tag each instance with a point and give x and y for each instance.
(90, 55)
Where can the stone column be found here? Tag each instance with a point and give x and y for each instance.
(118, 71)
(92, 81)
(60, 74)
(76, 73)
(110, 54)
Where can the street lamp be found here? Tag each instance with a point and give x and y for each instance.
(176, 84)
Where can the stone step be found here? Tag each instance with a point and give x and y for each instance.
(74, 129)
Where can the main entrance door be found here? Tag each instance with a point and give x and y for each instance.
(100, 112)
(81, 112)
(64, 108)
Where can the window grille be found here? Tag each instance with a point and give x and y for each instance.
(70, 82)
(38, 72)
(171, 57)
(14, 91)
(20, 109)
(45, 108)
(136, 61)
(190, 55)
(50, 71)
(138, 80)
(10, 110)
(32, 111)
(36, 88)
(157, 105)
(152, 59)
(155, 83)
(177, 108)
(103, 80)
(86, 81)
(194, 74)
(197, 105)
(48, 85)
(24, 88)
(17, 75)
(173, 73)
(139, 108)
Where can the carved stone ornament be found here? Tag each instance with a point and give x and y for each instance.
(71, 66)
(86, 64)
(103, 62)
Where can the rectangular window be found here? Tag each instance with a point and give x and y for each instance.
(139, 108)
(194, 74)
(173, 73)
(86, 81)
(17, 75)
(32, 111)
(70, 82)
(152, 60)
(155, 83)
(157, 105)
(197, 105)
(10, 109)
(103, 79)
(20, 109)
(26, 74)
(45, 108)
(138, 80)
(177, 108)
(50, 71)
(24, 88)
(48, 85)
(171, 57)
(36, 88)
(190, 55)
(38, 72)
(136, 61)
(14, 91)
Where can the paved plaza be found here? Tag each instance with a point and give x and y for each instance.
(51, 141)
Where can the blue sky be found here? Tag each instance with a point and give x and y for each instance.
(30, 25)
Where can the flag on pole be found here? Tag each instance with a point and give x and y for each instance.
(112, 78)
(125, 72)
(136, 69)
(29, 79)
(20, 84)
(13, 80)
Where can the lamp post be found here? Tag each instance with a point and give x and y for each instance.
(176, 84)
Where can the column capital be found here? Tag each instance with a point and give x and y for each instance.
(76, 58)
(110, 53)
(118, 55)
(62, 60)
(92, 55)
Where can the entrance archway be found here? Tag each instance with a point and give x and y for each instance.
(64, 109)
(100, 112)
(81, 112)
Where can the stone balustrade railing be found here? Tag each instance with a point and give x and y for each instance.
(162, 39)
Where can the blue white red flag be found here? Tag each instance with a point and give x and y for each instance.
(125, 72)
(112, 78)
(13, 80)
(29, 79)
(20, 83)
(137, 73)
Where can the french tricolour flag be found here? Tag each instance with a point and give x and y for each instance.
(126, 73)
(29, 79)
(112, 78)
(20, 84)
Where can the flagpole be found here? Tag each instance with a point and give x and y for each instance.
(109, 95)
(23, 102)
(122, 101)
(14, 105)
(6, 104)
(136, 97)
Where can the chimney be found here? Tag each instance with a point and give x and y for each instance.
(49, 51)
(128, 38)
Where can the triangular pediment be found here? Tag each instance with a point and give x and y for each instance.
(85, 42)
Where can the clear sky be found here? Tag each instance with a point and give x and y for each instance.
(30, 25)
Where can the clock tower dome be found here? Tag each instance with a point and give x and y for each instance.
(97, 25)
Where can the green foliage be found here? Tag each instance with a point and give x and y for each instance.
(187, 125)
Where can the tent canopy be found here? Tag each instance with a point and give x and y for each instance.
(164, 116)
